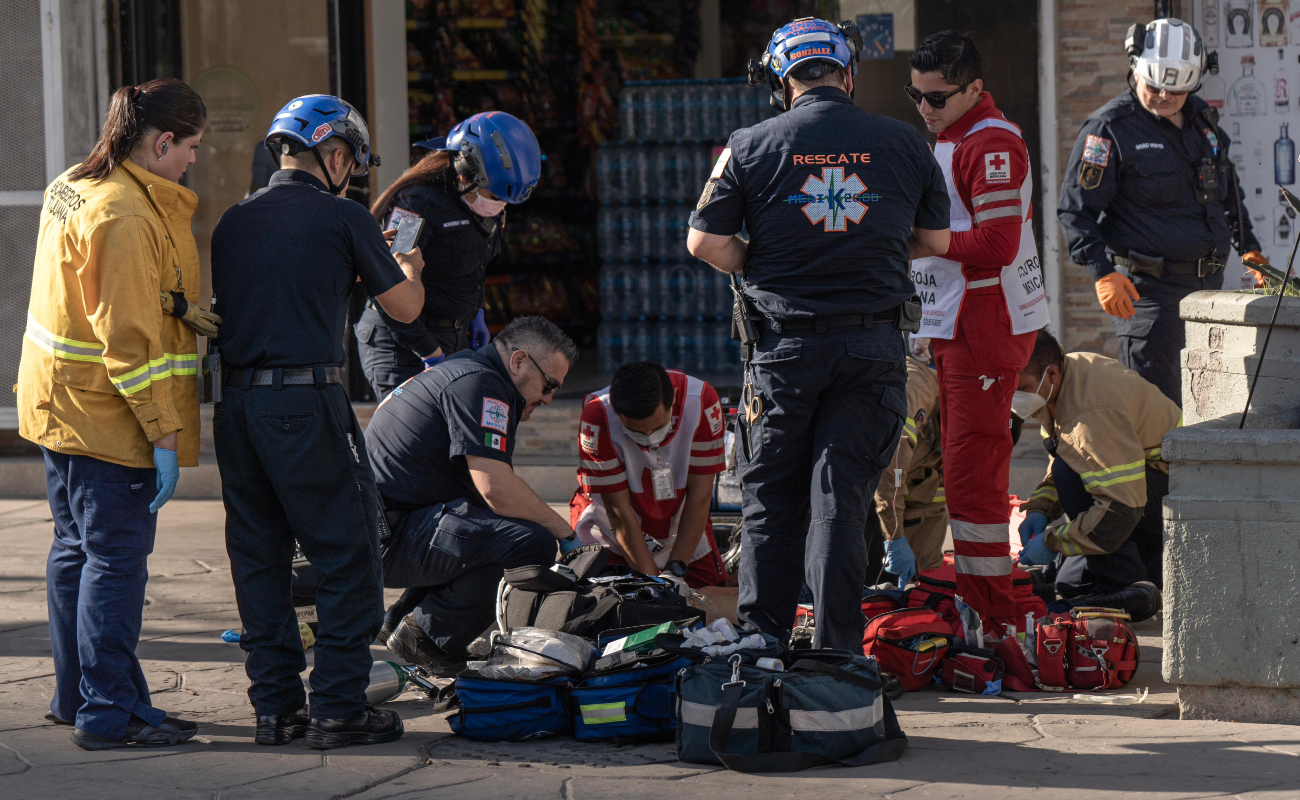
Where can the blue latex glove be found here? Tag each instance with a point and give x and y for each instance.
(1036, 553)
(433, 361)
(570, 544)
(900, 561)
(169, 472)
(1034, 524)
(478, 332)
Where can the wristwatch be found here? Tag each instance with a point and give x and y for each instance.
(676, 568)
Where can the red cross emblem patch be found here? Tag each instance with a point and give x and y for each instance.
(997, 167)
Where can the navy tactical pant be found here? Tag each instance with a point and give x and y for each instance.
(833, 409)
(294, 466)
(386, 363)
(1138, 559)
(1152, 340)
(94, 584)
(457, 553)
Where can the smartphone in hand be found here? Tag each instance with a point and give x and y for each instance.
(408, 233)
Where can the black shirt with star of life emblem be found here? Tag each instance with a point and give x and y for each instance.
(419, 436)
(829, 194)
(1131, 186)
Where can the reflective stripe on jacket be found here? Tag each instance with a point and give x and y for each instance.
(104, 371)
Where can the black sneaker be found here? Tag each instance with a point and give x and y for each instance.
(1141, 600)
(371, 726)
(139, 733)
(276, 729)
(57, 720)
(414, 646)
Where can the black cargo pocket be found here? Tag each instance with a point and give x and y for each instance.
(1154, 186)
(888, 349)
(1135, 327)
(455, 545)
(784, 351)
(895, 400)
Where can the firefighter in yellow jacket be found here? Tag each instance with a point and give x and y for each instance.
(1103, 425)
(107, 388)
(913, 515)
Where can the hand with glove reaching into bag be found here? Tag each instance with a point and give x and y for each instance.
(900, 561)
(1255, 259)
(1035, 523)
(1036, 553)
(1117, 294)
(204, 323)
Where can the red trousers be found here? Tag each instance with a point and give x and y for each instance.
(978, 372)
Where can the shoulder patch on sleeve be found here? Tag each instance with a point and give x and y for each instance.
(1090, 176)
(1096, 150)
(496, 414)
(706, 195)
(589, 438)
(714, 414)
(997, 167)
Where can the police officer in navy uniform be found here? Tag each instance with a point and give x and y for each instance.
(835, 200)
(292, 458)
(442, 445)
(1151, 203)
(460, 190)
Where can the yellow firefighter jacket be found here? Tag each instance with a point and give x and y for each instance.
(918, 454)
(104, 371)
(1108, 427)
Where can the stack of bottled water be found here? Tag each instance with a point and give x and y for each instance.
(658, 302)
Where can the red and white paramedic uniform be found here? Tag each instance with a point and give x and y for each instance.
(610, 462)
(984, 302)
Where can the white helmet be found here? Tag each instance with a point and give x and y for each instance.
(1166, 54)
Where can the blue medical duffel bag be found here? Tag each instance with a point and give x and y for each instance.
(637, 704)
(512, 711)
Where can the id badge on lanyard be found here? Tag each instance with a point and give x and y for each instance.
(662, 479)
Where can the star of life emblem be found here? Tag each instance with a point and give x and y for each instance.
(832, 199)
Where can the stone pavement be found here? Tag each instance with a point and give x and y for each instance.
(961, 746)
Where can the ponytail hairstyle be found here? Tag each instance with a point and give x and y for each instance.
(434, 169)
(164, 105)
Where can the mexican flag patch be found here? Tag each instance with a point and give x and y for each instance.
(495, 441)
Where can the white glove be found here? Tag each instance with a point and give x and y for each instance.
(920, 347)
(678, 583)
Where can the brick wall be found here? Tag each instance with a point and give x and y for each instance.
(1091, 68)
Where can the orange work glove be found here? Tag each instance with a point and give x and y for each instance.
(1255, 258)
(1117, 294)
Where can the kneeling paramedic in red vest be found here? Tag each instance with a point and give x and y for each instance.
(650, 445)
(984, 301)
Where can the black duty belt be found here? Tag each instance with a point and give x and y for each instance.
(446, 323)
(285, 376)
(824, 322)
(1159, 266)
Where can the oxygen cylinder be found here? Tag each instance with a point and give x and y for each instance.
(387, 680)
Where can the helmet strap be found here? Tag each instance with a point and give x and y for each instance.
(329, 179)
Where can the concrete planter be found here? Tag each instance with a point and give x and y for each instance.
(1232, 517)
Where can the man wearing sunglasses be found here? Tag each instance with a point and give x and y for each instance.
(1151, 204)
(984, 305)
(441, 445)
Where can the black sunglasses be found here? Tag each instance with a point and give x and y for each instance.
(937, 100)
(549, 384)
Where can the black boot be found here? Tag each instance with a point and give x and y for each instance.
(139, 733)
(405, 604)
(371, 726)
(413, 645)
(278, 729)
(1141, 600)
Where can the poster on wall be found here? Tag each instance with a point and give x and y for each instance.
(1257, 92)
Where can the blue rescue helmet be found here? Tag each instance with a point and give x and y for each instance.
(806, 39)
(313, 118)
(497, 152)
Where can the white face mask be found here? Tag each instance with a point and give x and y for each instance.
(652, 439)
(1027, 404)
(485, 207)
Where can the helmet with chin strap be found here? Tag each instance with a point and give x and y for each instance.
(801, 41)
(314, 118)
(1167, 54)
(498, 152)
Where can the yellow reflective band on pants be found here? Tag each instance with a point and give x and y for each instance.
(598, 713)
